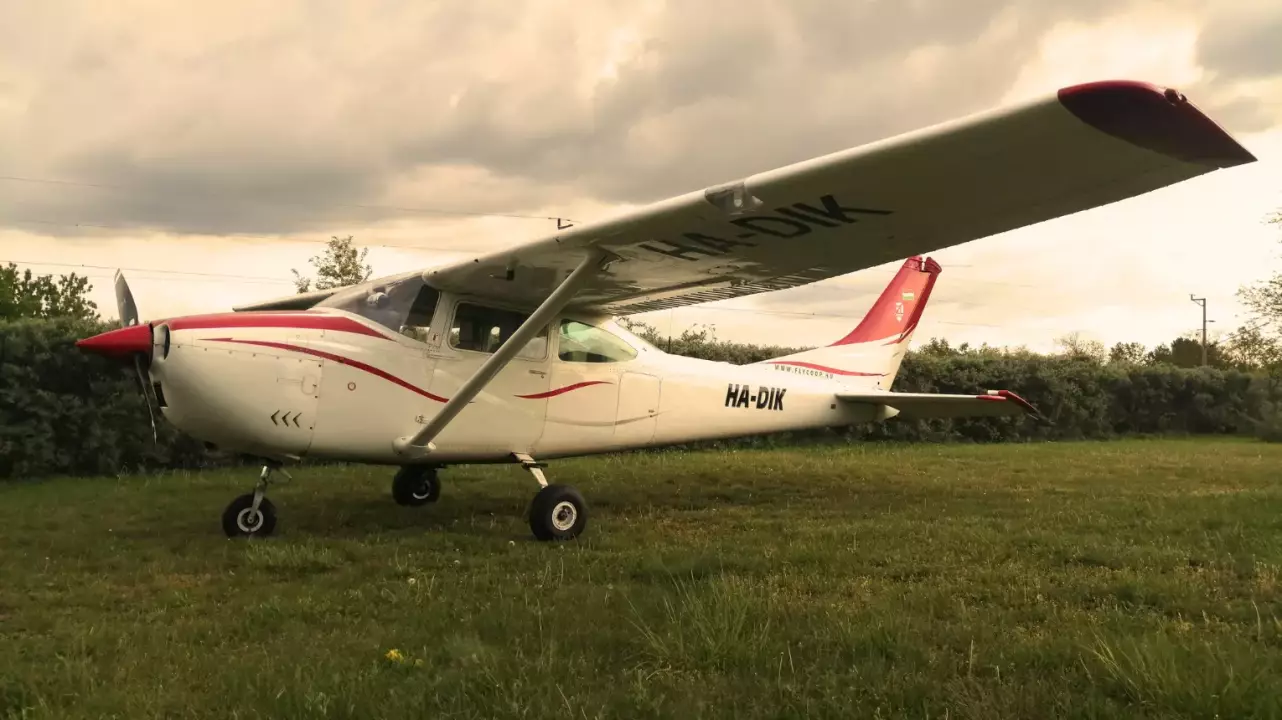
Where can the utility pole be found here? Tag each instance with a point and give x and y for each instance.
(1201, 301)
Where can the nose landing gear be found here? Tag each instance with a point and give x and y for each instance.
(252, 514)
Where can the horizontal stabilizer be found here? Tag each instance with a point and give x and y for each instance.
(925, 406)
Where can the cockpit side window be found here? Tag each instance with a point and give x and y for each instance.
(485, 329)
(580, 342)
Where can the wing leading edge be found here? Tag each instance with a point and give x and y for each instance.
(1080, 148)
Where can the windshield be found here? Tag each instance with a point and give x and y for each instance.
(388, 302)
(637, 342)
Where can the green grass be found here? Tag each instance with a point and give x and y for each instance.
(1129, 579)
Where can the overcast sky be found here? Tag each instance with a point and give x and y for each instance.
(234, 138)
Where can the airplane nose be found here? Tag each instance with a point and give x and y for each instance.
(119, 343)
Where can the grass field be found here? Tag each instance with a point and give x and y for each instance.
(1130, 579)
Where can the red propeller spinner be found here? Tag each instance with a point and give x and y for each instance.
(131, 339)
(120, 343)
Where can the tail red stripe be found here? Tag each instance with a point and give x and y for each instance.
(825, 368)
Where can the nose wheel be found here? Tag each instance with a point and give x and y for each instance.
(558, 512)
(252, 514)
(242, 519)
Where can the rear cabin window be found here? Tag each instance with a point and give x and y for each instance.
(483, 329)
(580, 342)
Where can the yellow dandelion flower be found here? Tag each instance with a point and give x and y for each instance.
(395, 655)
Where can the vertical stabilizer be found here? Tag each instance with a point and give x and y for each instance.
(870, 354)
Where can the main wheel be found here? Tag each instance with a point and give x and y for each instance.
(241, 520)
(558, 513)
(415, 485)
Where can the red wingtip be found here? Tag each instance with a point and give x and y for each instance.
(119, 343)
(1009, 396)
(1155, 118)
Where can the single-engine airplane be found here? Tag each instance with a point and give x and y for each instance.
(515, 356)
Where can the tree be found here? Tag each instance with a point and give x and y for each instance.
(27, 295)
(1250, 349)
(1076, 346)
(1186, 352)
(939, 347)
(1265, 299)
(341, 265)
(1127, 353)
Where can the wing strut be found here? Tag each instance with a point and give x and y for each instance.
(420, 443)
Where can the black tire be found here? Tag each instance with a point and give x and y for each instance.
(238, 521)
(415, 485)
(558, 513)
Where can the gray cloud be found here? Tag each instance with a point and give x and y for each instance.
(271, 119)
(1243, 44)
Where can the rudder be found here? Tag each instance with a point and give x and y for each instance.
(872, 353)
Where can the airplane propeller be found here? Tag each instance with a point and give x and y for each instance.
(129, 317)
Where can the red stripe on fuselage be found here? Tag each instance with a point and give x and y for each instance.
(388, 376)
(559, 391)
(825, 368)
(274, 319)
(338, 359)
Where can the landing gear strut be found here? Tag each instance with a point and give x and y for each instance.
(416, 485)
(558, 512)
(252, 514)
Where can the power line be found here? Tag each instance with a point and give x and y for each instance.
(277, 280)
(274, 238)
(397, 208)
(154, 270)
(233, 236)
(260, 279)
(137, 278)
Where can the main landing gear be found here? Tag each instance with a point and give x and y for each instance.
(252, 514)
(416, 485)
(558, 512)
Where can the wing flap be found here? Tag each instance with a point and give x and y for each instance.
(922, 406)
(934, 188)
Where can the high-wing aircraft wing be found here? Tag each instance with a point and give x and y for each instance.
(1085, 146)
(995, 403)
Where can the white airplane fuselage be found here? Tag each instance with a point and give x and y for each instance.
(332, 384)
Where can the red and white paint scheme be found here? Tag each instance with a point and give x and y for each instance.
(515, 355)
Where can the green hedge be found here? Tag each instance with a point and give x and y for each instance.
(65, 412)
